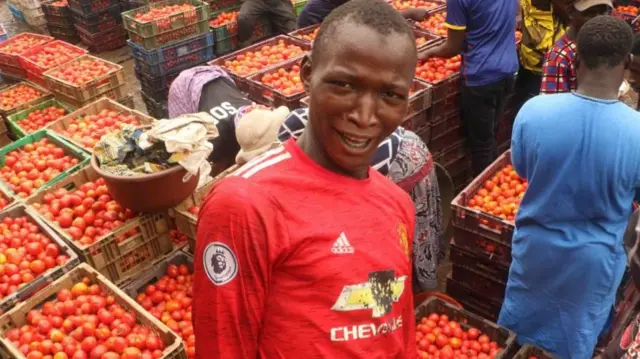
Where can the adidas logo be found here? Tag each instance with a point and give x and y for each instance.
(342, 245)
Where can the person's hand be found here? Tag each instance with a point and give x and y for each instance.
(415, 14)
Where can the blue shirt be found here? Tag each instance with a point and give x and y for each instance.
(581, 157)
(490, 50)
(316, 10)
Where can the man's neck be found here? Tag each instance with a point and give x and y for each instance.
(598, 84)
(571, 33)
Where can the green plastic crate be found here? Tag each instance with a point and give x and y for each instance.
(170, 37)
(14, 119)
(69, 149)
(168, 23)
(227, 30)
(298, 6)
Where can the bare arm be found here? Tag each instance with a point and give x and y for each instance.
(451, 47)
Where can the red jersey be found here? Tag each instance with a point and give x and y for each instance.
(294, 261)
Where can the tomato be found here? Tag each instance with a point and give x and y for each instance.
(251, 62)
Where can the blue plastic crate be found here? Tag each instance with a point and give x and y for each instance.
(17, 13)
(154, 57)
(4, 36)
(190, 59)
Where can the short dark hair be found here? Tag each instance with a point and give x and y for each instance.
(636, 44)
(375, 14)
(604, 40)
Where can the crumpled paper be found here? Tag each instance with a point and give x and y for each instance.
(183, 140)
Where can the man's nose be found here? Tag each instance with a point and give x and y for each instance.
(364, 115)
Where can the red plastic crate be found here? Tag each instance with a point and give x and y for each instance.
(445, 107)
(12, 59)
(441, 141)
(452, 152)
(527, 351)
(472, 301)
(444, 88)
(267, 95)
(306, 34)
(416, 122)
(36, 69)
(461, 256)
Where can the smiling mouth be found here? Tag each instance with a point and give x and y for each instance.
(356, 143)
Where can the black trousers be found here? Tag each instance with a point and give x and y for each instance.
(527, 86)
(481, 109)
(279, 12)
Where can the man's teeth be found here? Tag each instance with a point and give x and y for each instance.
(355, 142)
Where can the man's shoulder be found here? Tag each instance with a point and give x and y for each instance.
(385, 187)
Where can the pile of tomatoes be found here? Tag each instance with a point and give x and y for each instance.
(40, 118)
(310, 36)
(435, 24)
(89, 129)
(421, 40)
(162, 16)
(61, 3)
(629, 9)
(4, 202)
(500, 195)
(285, 81)
(87, 213)
(85, 322)
(25, 253)
(178, 238)
(53, 54)
(21, 43)
(82, 71)
(169, 300)
(224, 18)
(251, 62)
(194, 210)
(411, 4)
(436, 69)
(18, 95)
(438, 337)
(31, 166)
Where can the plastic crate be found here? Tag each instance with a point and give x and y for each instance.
(10, 111)
(221, 4)
(228, 29)
(266, 95)
(17, 317)
(503, 336)
(105, 250)
(472, 301)
(90, 7)
(157, 270)
(240, 79)
(48, 276)
(225, 46)
(159, 83)
(14, 120)
(444, 108)
(458, 165)
(425, 133)
(69, 149)
(475, 221)
(444, 124)
(416, 122)
(14, 59)
(102, 21)
(154, 108)
(93, 109)
(460, 256)
(430, 40)
(168, 23)
(62, 31)
(30, 4)
(3, 33)
(187, 60)
(171, 52)
(434, 5)
(59, 11)
(452, 152)
(94, 88)
(441, 141)
(109, 45)
(115, 94)
(185, 221)
(38, 70)
(33, 78)
(444, 88)
(170, 37)
(15, 73)
(527, 351)
(305, 33)
(60, 21)
(34, 17)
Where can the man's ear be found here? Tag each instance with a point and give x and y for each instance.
(305, 72)
(628, 60)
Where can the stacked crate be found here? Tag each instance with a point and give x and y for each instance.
(60, 21)
(164, 45)
(99, 24)
(33, 14)
(224, 26)
(8, 109)
(12, 49)
(110, 84)
(39, 59)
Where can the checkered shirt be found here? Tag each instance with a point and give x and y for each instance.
(559, 70)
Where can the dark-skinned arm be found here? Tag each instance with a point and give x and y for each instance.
(451, 47)
(415, 14)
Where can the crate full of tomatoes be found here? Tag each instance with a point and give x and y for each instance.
(473, 301)
(85, 126)
(114, 240)
(165, 291)
(163, 16)
(105, 40)
(36, 117)
(224, 23)
(278, 86)
(434, 23)
(34, 162)
(188, 57)
(261, 56)
(41, 58)
(12, 49)
(442, 74)
(19, 97)
(83, 315)
(484, 212)
(445, 331)
(32, 257)
(306, 34)
(430, 5)
(529, 351)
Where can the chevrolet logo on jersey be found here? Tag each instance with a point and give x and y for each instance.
(378, 294)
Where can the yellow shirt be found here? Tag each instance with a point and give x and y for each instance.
(540, 31)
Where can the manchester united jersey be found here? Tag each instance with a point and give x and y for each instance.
(295, 261)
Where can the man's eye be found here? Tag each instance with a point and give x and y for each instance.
(341, 84)
(393, 95)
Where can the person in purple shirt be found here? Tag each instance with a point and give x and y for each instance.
(483, 31)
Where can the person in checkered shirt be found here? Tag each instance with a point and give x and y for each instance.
(559, 70)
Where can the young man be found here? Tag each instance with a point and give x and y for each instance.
(279, 13)
(316, 244)
(484, 32)
(559, 69)
(581, 155)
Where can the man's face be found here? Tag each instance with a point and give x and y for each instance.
(580, 18)
(359, 89)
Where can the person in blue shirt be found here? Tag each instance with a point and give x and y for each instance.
(581, 155)
(316, 10)
(484, 32)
